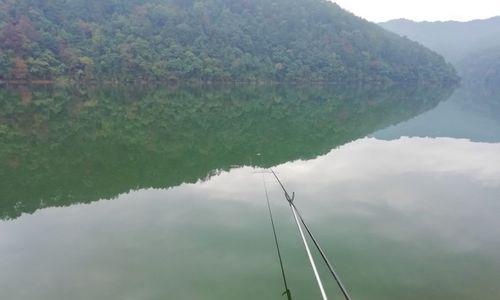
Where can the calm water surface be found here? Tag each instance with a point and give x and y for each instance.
(156, 193)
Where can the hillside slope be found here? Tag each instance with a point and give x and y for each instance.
(224, 40)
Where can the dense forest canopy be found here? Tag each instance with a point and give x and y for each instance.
(65, 146)
(217, 40)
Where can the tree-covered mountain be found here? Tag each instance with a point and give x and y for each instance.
(217, 40)
(454, 40)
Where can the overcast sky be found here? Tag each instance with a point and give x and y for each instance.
(422, 10)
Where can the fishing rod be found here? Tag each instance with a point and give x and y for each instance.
(287, 291)
(316, 243)
(304, 241)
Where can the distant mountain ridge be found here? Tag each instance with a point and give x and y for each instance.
(482, 69)
(472, 47)
(209, 40)
(452, 39)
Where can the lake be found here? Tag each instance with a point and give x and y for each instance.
(157, 192)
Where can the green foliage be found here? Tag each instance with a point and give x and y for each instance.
(65, 146)
(210, 40)
(5, 62)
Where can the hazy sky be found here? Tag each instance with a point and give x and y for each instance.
(422, 10)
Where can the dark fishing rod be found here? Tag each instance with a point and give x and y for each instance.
(287, 290)
(316, 243)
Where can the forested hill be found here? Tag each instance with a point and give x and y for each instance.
(223, 40)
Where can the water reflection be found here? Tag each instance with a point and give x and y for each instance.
(403, 218)
(411, 218)
(471, 113)
(67, 146)
(419, 214)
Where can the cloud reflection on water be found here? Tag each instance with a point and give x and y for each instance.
(407, 213)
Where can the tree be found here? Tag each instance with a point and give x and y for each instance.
(20, 70)
(5, 64)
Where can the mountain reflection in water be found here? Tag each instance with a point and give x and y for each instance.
(411, 217)
(66, 146)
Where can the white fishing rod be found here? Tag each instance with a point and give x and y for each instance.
(304, 241)
(311, 259)
(298, 216)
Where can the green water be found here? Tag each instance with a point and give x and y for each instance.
(156, 192)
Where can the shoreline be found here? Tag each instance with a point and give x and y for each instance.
(214, 82)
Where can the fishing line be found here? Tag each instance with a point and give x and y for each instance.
(287, 291)
(316, 243)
